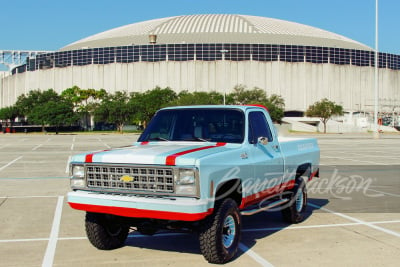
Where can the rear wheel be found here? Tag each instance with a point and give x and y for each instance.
(220, 236)
(104, 232)
(294, 212)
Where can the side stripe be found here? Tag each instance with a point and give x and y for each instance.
(171, 159)
(255, 198)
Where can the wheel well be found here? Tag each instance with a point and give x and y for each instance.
(303, 170)
(230, 189)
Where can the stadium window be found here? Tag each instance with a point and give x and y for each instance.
(31, 62)
(258, 52)
(191, 51)
(161, 52)
(298, 53)
(136, 53)
(313, 54)
(382, 59)
(209, 52)
(273, 52)
(243, 52)
(96, 55)
(171, 52)
(367, 58)
(231, 52)
(121, 54)
(282, 53)
(355, 57)
(21, 69)
(178, 52)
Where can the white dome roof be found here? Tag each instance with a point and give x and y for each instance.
(216, 28)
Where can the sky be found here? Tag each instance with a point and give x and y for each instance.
(52, 24)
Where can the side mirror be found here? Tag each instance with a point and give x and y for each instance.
(262, 140)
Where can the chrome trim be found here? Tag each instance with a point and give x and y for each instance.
(139, 179)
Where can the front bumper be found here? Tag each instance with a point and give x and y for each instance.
(180, 209)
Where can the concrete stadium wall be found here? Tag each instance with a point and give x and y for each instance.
(300, 84)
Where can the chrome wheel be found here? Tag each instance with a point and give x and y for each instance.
(299, 200)
(229, 231)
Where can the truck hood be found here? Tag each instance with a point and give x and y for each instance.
(157, 153)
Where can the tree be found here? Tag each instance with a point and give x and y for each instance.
(85, 101)
(54, 113)
(9, 114)
(324, 109)
(25, 103)
(117, 109)
(31, 105)
(186, 98)
(241, 96)
(151, 101)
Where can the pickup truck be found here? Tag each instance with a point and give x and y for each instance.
(198, 169)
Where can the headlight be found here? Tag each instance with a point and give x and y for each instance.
(77, 176)
(78, 171)
(186, 182)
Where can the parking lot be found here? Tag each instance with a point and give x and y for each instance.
(353, 215)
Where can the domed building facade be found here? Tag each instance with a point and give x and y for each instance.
(216, 52)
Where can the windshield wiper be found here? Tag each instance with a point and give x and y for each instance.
(200, 139)
(158, 138)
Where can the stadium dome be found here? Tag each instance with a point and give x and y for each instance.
(216, 28)
(217, 52)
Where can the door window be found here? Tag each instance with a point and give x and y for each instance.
(258, 127)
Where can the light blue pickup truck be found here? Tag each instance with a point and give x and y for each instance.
(195, 168)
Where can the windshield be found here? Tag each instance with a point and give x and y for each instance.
(204, 125)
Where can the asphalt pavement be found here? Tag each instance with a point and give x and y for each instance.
(353, 214)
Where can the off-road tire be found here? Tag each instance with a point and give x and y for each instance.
(104, 232)
(220, 234)
(295, 209)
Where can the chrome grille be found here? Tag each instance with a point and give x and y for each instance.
(130, 178)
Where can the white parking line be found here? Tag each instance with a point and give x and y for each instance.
(107, 145)
(315, 226)
(387, 231)
(11, 162)
(36, 147)
(67, 167)
(363, 161)
(16, 197)
(52, 244)
(136, 235)
(254, 255)
(73, 143)
(385, 193)
(368, 155)
(23, 240)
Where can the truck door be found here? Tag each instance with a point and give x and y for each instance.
(266, 157)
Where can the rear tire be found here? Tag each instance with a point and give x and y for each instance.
(220, 235)
(104, 232)
(294, 212)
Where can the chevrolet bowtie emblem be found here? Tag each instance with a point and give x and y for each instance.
(126, 179)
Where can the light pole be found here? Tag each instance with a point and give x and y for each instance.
(223, 52)
(376, 129)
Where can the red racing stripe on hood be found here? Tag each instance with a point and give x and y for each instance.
(89, 157)
(171, 159)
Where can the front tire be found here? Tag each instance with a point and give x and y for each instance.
(220, 235)
(104, 232)
(294, 212)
